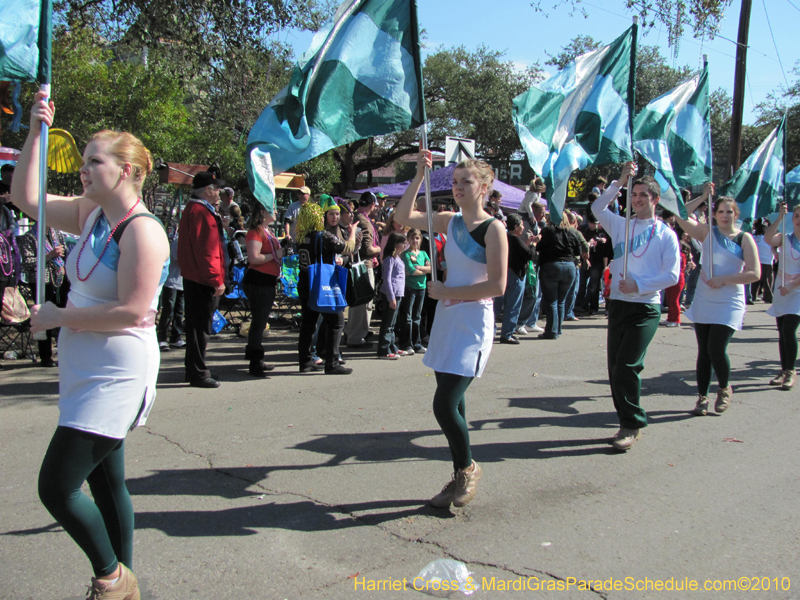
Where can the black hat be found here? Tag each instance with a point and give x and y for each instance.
(204, 178)
(590, 216)
(367, 199)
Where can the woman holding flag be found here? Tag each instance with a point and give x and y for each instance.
(108, 347)
(461, 339)
(786, 300)
(729, 260)
(634, 306)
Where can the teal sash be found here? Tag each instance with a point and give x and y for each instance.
(795, 242)
(728, 244)
(464, 241)
(637, 242)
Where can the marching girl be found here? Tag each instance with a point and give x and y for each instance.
(108, 346)
(719, 302)
(463, 331)
(786, 299)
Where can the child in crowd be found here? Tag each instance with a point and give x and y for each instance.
(417, 266)
(392, 290)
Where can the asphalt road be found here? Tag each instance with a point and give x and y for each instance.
(314, 486)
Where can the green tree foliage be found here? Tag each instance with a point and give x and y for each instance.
(702, 16)
(577, 46)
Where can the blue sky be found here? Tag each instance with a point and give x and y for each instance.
(514, 27)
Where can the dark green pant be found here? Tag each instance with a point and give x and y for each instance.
(102, 527)
(631, 328)
(712, 353)
(449, 408)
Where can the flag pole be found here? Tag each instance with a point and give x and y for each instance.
(783, 241)
(45, 75)
(710, 238)
(429, 205)
(631, 107)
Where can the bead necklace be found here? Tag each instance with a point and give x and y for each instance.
(108, 241)
(6, 256)
(791, 247)
(633, 237)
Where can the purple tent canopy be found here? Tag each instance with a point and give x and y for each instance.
(442, 185)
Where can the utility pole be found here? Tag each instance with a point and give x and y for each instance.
(735, 158)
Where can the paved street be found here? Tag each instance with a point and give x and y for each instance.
(301, 486)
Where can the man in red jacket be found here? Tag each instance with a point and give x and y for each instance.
(201, 256)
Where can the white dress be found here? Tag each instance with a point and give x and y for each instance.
(725, 305)
(463, 332)
(107, 380)
(790, 303)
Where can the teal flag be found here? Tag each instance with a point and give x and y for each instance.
(580, 117)
(361, 77)
(673, 133)
(25, 40)
(792, 192)
(758, 183)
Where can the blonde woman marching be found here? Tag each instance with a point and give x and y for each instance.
(108, 348)
(463, 331)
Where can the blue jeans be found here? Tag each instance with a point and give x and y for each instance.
(572, 296)
(411, 318)
(515, 288)
(531, 301)
(556, 279)
(387, 342)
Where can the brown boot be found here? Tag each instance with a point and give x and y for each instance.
(778, 379)
(788, 380)
(126, 587)
(723, 399)
(701, 408)
(466, 484)
(445, 498)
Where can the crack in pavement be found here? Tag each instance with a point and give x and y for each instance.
(345, 511)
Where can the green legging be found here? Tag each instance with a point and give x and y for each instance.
(787, 340)
(449, 408)
(104, 528)
(712, 352)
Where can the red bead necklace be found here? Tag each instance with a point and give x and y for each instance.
(650, 239)
(108, 241)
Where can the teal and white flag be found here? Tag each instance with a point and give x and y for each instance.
(792, 192)
(673, 133)
(580, 116)
(25, 40)
(361, 77)
(758, 183)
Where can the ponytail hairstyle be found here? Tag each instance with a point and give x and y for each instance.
(127, 148)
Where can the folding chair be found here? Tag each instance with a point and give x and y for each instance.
(16, 337)
(287, 300)
(234, 306)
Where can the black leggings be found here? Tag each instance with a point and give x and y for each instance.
(104, 528)
(449, 408)
(712, 351)
(787, 340)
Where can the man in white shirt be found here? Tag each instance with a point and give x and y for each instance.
(635, 305)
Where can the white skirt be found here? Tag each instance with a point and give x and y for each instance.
(461, 338)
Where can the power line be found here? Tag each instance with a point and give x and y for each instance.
(793, 5)
(774, 43)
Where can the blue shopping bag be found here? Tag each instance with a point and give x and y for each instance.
(327, 284)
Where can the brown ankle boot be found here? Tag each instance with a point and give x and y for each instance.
(466, 484)
(445, 498)
(126, 587)
(788, 380)
(723, 399)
